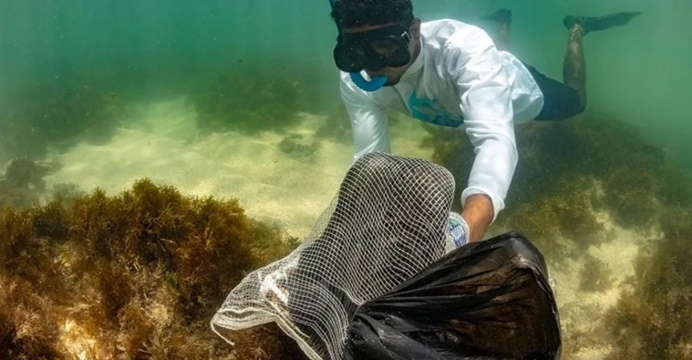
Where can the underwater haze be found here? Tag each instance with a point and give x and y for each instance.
(639, 73)
(176, 109)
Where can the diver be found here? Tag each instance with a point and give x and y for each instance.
(448, 73)
(451, 73)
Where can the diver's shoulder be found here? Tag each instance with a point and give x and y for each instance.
(446, 28)
(453, 36)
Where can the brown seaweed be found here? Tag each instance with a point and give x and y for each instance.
(137, 275)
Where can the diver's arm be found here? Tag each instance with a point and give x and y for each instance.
(478, 214)
(368, 120)
(487, 107)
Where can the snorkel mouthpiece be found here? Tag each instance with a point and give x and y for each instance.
(374, 84)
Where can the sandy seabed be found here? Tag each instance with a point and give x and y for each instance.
(163, 143)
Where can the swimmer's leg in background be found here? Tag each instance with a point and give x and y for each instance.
(503, 20)
(574, 66)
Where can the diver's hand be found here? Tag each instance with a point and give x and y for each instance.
(478, 214)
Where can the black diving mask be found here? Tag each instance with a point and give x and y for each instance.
(374, 49)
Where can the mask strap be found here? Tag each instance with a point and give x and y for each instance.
(374, 84)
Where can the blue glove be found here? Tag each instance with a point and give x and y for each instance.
(457, 230)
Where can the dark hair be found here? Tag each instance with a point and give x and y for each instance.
(352, 13)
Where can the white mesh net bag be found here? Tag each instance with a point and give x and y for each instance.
(386, 223)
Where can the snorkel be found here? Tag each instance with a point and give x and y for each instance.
(375, 83)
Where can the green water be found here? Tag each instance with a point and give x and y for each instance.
(639, 73)
(146, 51)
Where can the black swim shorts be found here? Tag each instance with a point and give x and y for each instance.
(560, 101)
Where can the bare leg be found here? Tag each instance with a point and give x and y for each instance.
(574, 65)
(503, 19)
(502, 41)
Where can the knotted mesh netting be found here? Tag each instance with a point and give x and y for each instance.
(386, 223)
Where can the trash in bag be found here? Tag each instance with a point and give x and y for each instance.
(386, 223)
(485, 300)
(378, 279)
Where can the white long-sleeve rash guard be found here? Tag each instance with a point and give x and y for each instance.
(459, 78)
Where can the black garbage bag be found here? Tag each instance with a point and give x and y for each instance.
(485, 300)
